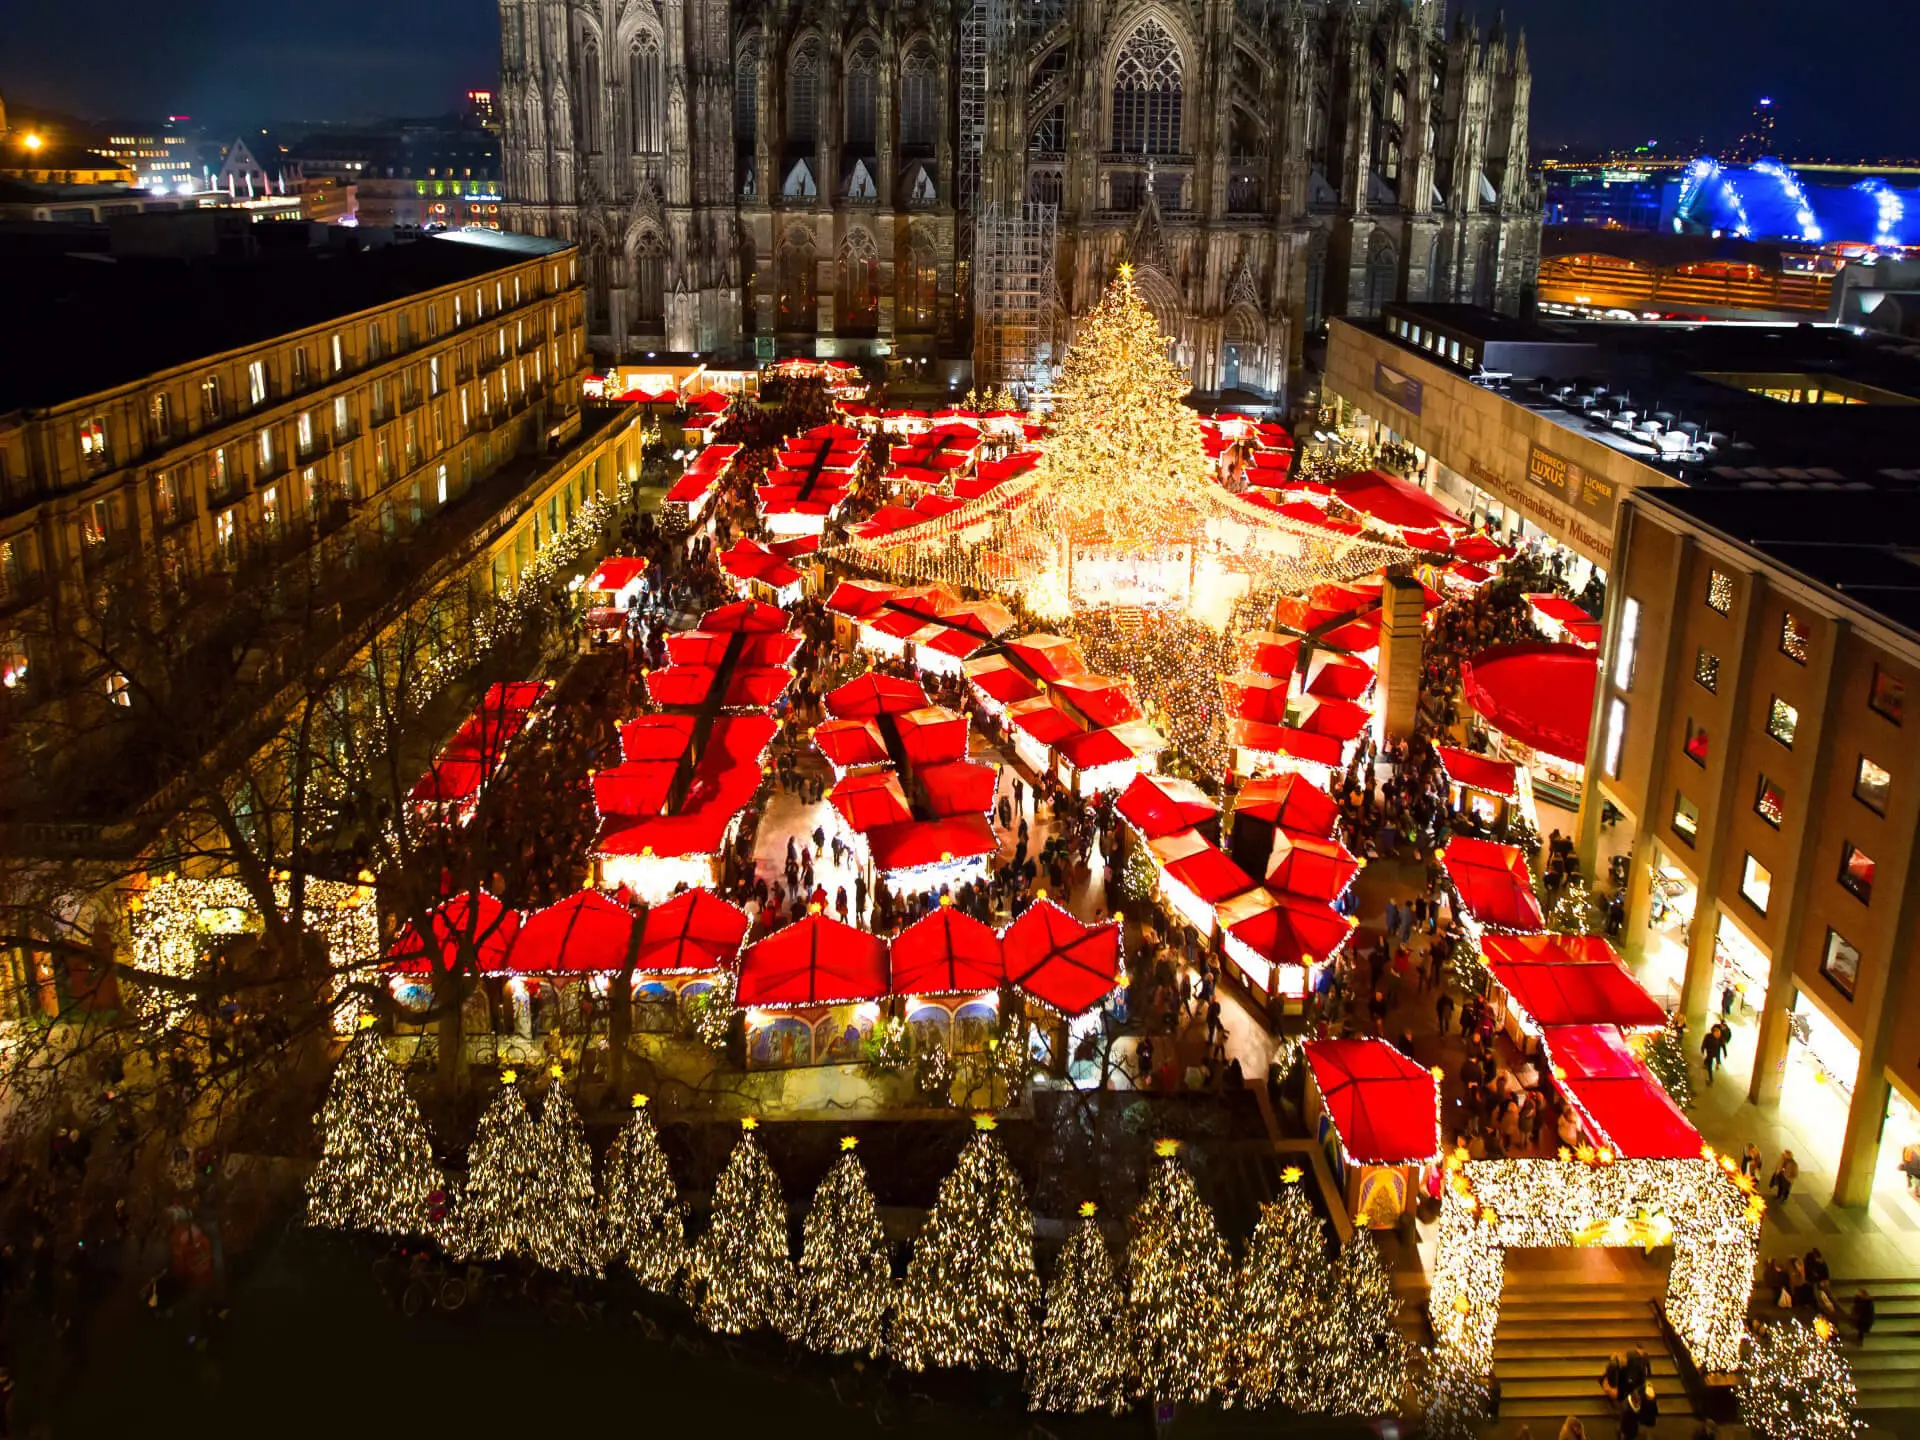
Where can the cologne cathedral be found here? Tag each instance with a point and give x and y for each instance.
(961, 177)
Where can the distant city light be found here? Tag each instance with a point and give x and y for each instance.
(33, 141)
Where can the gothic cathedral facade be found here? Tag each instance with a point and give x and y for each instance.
(805, 176)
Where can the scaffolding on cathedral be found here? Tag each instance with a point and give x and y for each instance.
(1014, 295)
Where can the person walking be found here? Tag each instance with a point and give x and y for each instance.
(1443, 1011)
(1863, 1315)
(1784, 1174)
(1711, 1048)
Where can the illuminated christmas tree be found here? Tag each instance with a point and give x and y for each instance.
(1457, 1400)
(643, 1223)
(846, 1279)
(1797, 1385)
(971, 1290)
(376, 1168)
(569, 1238)
(1367, 1356)
(741, 1271)
(1665, 1055)
(506, 1177)
(1082, 1358)
(1178, 1278)
(1279, 1300)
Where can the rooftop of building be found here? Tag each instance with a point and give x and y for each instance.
(92, 308)
(1706, 382)
(1863, 546)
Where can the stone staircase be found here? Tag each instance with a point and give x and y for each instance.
(1886, 1370)
(1556, 1334)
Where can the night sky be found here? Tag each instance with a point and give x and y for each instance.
(1605, 73)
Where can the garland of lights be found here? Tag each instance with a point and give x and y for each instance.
(376, 1168)
(1083, 1357)
(845, 1278)
(1178, 1283)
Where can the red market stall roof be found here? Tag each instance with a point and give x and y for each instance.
(617, 572)
(724, 783)
(752, 688)
(964, 787)
(695, 930)
(1559, 609)
(914, 843)
(1385, 1106)
(1589, 1052)
(1341, 719)
(515, 694)
(815, 961)
(1393, 501)
(1051, 657)
(1361, 633)
(1294, 931)
(1310, 866)
(1558, 983)
(1210, 875)
(584, 932)
(656, 737)
(870, 800)
(875, 694)
(1286, 740)
(1495, 885)
(1480, 772)
(452, 779)
(748, 615)
(995, 678)
(858, 599)
(1158, 805)
(1270, 653)
(1101, 698)
(1059, 961)
(635, 787)
(1039, 718)
(486, 735)
(947, 953)
(1093, 747)
(849, 743)
(932, 735)
(1257, 697)
(708, 401)
(1538, 693)
(1337, 677)
(478, 919)
(1290, 801)
(1480, 549)
(749, 560)
(1637, 1118)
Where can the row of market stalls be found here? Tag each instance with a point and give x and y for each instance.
(452, 785)
(1088, 731)
(1255, 455)
(688, 498)
(810, 480)
(775, 574)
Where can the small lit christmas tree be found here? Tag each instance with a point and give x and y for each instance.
(1279, 1300)
(570, 1238)
(1082, 1358)
(1139, 879)
(1457, 1400)
(376, 1168)
(741, 1271)
(498, 1212)
(1797, 1385)
(846, 1279)
(1178, 1278)
(643, 1222)
(1573, 910)
(1666, 1057)
(971, 1289)
(1366, 1353)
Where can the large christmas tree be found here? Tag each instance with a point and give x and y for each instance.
(1366, 1354)
(741, 1270)
(499, 1207)
(570, 1238)
(376, 1168)
(1279, 1300)
(1178, 1277)
(971, 1289)
(1082, 1360)
(846, 1280)
(643, 1225)
(1797, 1385)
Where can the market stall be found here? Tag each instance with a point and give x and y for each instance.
(811, 993)
(1493, 885)
(1490, 789)
(1378, 1115)
(1537, 697)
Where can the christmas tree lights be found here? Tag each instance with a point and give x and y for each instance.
(570, 1238)
(846, 1279)
(741, 1270)
(376, 1168)
(1178, 1279)
(530, 1186)
(1797, 1385)
(971, 1290)
(643, 1222)
(1279, 1301)
(1365, 1351)
(1666, 1059)
(1082, 1360)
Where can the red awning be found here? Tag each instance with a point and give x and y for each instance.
(1480, 549)
(1559, 609)
(1540, 694)
(1480, 772)
(1589, 1052)
(451, 780)
(1292, 802)
(1157, 805)
(815, 961)
(657, 737)
(875, 694)
(514, 694)
(1393, 501)
(1210, 875)
(947, 953)
(870, 800)
(1285, 740)
(1051, 657)
(932, 735)
(1043, 722)
(748, 615)
(858, 599)
(1270, 653)
(1341, 719)
(1309, 866)
(1337, 677)
(695, 930)
(584, 932)
(1093, 747)
(1060, 961)
(1295, 931)
(847, 743)
(1385, 1106)
(1495, 886)
(998, 680)
(634, 787)
(1638, 1118)
(617, 572)
(963, 787)
(914, 843)
(478, 923)
(1101, 698)
(1570, 980)
(1251, 696)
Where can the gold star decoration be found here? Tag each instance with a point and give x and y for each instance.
(1166, 1149)
(1087, 1208)
(1291, 1175)
(847, 1142)
(509, 1076)
(748, 1122)
(985, 1122)
(639, 1101)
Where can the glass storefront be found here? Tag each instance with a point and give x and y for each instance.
(1740, 972)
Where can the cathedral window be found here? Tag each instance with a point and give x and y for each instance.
(921, 288)
(590, 97)
(863, 95)
(746, 92)
(798, 296)
(649, 284)
(1147, 93)
(803, 93)
(859, 284)
(646, 96)
(919, 98)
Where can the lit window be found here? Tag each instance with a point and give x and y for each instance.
(93, 440)
(1783, 721)
(1856, 871)
(1706, 669)
(166, 498)
(1720, 591)
(303, 429)
(464, 419)
(443, 485)
(1686, 818)
(162, 416)
(1793, 638)
(117, 692)
(342, 416)
(266, 449)
(433, 375)
(257, 383)
(1627, 644)
(224, 536)
(1888, 697)
(1756, 884)
(270, 510)
(217, 476)
(1616, 735)
(1769, 804)
(339, 355)
(1840, 963)
(1871, 786)
(210, 398)
(1696, 746)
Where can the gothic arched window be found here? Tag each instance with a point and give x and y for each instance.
(590, 98)
(863, 95)
(1147, 92)
(920, 287)
(803, 93)
(649, 283)
(919, 98)
(859, 284)
(797, 302)
(1382, 273)
(646, 95)
(746, 92)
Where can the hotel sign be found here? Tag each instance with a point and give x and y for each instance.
(1398, 386)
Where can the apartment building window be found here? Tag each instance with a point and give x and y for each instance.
(516, 289)
(162, 411)
(380, 413)
(1783, 721)
(439, 430)
(270, 511)
(342, 417)
(500, 342)
(1768, 803)
(1840, 964)
(218, 476)
(93, 441)
(536, 367)
(310, 492)
(1719, 591)
(1686, 818)
(339, 353)
(96, 522)
(303, 431)
(383, 458)
(1628, 646)
(1706, 669)
(166, 498)
(479, 304)
(1856, 872)
(347, 491)
(257, 383)
(1871, 786)
(441, 477)
(300, 376)
(14, 662)
(458, 318)
(1793, 638)
(433, 322)
(1616, 735)
(413, 504)
(519, 334)
(266, 451)
(433, 375)
(1756, 883)
(411, 442)
(226, 539)
(499, 295)
(1697, 744)
(1887, 696)
(520, 376)
(465, 419)
(375, 344)
(404, 322)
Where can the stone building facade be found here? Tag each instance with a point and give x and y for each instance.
(804, 175)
